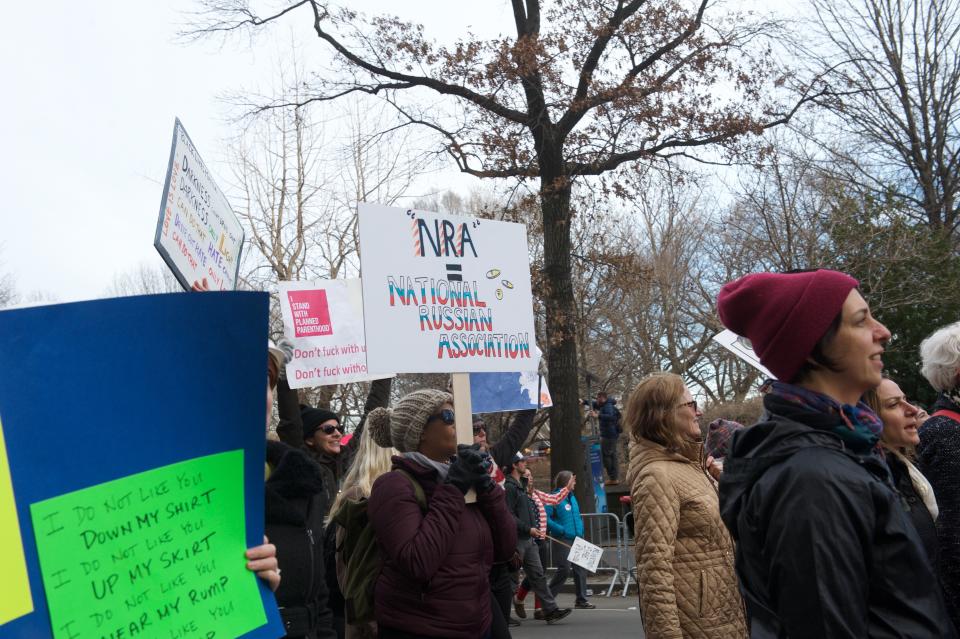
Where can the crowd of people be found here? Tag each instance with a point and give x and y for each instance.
(835, 515)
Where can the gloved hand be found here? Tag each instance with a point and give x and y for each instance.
(468, 468)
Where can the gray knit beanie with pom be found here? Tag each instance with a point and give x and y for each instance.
(402, 426)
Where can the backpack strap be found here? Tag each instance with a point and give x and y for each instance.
(943, 412)
(418, 493)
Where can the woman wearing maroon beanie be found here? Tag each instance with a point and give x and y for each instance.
(824, 547)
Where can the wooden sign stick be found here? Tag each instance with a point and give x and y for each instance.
(463, 409)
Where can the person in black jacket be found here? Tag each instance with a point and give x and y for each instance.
(502, 454)
(318, 431)
(899, 439)
(294, 508)
(938, 455)
(525, 513)
(824, 548)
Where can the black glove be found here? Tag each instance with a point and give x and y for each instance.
(468, 468)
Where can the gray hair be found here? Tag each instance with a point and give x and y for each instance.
(940, 353)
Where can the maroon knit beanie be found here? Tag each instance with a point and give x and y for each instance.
(783, 315)
(719, 432)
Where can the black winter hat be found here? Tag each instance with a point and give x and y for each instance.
(313, 417)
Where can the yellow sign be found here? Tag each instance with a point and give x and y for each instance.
(15, 599)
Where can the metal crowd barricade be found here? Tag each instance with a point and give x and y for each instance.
(605, 530)
(629, 565)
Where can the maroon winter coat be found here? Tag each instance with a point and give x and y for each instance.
(435, 577)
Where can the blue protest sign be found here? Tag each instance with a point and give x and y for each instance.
(94, 395)
(502, 392)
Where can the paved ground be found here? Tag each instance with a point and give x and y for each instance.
(613, 617)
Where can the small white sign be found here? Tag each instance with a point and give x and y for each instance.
(445, 293)
(324, 321)
(585, 554)
(741, 347)
(198, 235)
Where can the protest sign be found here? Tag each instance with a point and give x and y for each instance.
(324, 321)
(16, 600)
(198, 234)
(150, 554)
(169, 379)
(502, 392)
(445, 293)
(585, 554)
(741, 347)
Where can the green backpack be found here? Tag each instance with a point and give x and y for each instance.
(362, 556)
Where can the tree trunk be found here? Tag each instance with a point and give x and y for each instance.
(566, 450)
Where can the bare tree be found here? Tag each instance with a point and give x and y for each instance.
(893, 70)
(144, 280)
(582, 89)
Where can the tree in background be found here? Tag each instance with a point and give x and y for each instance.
(893, 72)
(582, 89)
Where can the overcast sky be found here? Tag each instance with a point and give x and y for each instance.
(91, 90)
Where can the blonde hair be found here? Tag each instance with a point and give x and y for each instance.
(370, 461)
(651, 411)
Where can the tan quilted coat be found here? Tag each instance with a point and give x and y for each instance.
(688, 587)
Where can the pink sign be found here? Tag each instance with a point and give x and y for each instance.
(311, 315)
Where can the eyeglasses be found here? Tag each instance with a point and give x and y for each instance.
(691, 404)
(446, 415)
(481, 427)
(328, 430)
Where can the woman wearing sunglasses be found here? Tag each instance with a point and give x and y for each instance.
(688, 587)
(321, 438)
(436, 561)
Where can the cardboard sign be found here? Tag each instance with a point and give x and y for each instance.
(324, 321)
(150, 554)
(585, 554)
(503, 392)
(140, 384)
(445, 293)
(741, 347)
(15, 600)
(198, 234)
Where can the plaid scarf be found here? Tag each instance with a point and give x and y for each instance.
(859, 428)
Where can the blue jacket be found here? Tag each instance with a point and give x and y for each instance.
(609, 417)
(563, 520)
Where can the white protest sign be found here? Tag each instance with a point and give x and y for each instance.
(445, 293)
(585, 554)
(741, 347)
(324, 321)
(198, 234)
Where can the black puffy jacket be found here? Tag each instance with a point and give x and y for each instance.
(938, 458)
(294, 509)
(824, 548)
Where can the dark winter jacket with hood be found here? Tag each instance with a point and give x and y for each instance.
(823, 547)
(938, 458)
(294, 509)
(434, 581)
(333, 467)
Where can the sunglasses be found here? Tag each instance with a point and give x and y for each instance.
(481, 427)
(446, 415)
(328, 430)
(691, 404)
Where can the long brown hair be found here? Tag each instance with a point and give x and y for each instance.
(652, 410)
(872, 399)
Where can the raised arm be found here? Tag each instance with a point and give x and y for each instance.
(504, 450)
